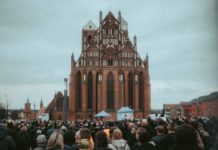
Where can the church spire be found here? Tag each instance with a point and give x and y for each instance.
(41, 104)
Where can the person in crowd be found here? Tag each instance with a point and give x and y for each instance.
(69, 136)
(41, 142)
(137, 145)
(75, 146)
(204, 136)
(118, 143)
(23, 141)
(124, 128)
(101, 141)
(159, 138)
(144, 139)
(170, 138)
(215, 146)
(111, 133)
(85, 141)
(6, 141)
(56, 141)
(200, 143)
(145, 124)
(12, 130)
(132, 138)
(186, 138)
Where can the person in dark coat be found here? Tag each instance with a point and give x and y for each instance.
(23, 141)
(69, 138)
(137, 144)
(170, 138)
(215, 146)
(6, 142)
(101, 141)
(159, 138)
(132, 138)
(144, 138)
(186, 138)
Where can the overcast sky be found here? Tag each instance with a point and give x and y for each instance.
(37, 39)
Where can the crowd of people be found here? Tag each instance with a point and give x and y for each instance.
(138, 134)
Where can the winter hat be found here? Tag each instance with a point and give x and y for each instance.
(39, 131)
(41, 139)
(64, 128)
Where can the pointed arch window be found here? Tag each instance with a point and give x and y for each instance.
(89, 91)
(110, 91)
(78, 91)
(141, 91)
(96, 85)
(130, 89)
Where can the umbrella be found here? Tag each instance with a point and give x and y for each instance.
(102, 114)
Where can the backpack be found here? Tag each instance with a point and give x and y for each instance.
(120, 148)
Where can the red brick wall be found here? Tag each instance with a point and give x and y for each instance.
(207, 108)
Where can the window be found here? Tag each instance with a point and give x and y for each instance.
(89, 91)
(104, 63)
(78, 91)
(116, 63)
(130, 89)
(110, 63)
(96, 63)
(110, 91)
(141, 91)
(116, 31)
(121, 77)
(96, 92)
(89, 38)
(104, 41)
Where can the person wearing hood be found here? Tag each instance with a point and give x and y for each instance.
(6, 142)
(118, 143)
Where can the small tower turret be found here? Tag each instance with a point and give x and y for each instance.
(135, 42)
(119, 16)
(147, 61)
(72, 61)
(100, 17)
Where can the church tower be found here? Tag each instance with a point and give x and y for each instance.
(27, 110)
(109, 73)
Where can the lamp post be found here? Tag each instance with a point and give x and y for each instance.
(65, 102)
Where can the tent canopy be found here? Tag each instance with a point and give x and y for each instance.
(125, 110)
(102, 114)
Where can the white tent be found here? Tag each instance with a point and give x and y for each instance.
(102, 114)
(125, 113)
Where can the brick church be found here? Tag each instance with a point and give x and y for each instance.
(109, 73)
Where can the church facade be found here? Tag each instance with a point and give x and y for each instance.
(109, 73)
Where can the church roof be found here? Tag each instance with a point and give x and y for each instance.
(90, 26)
